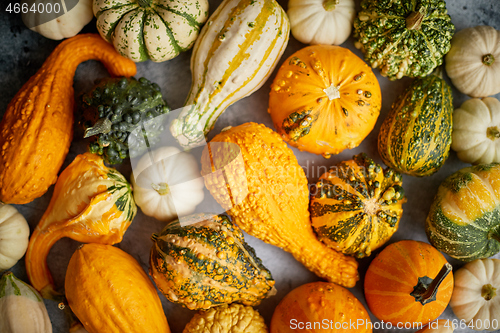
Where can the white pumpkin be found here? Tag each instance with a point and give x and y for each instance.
(64, 26)
(14, 236)
(321, 21)
(167, 184)
(150, 29)
(476, 131)
(476, 298)
(473, 63)
(21, 307)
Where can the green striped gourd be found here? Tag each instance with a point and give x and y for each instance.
(203, 261)
(357, 206)
(415, 137)
(235, 54)
(150, 29)
(464, 219)
(21, 307)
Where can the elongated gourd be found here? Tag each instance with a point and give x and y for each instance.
(37, 127)
(91, 204)
(236, 52)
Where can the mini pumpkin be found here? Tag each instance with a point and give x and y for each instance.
(476, 131)
(14, 236)
(409, 281)
(357, 206)
(476, 299)
(324, 99)
(473, 63)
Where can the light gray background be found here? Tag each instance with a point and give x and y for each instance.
(24, 51)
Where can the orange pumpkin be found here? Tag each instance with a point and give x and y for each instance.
(320, 307)
(408, 282)
(324, 99)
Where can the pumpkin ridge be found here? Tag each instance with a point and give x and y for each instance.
(386, 275)
(192, 21)
(404, 254)
(168, 30)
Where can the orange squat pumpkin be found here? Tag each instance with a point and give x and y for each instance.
(320, 307)
(109, 292)
(408, 282)
(324, 99)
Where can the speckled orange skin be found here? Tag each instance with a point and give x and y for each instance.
(37, 127)
(394, 273)
(268, 197)
(110, 292)
(305, 116)
(324, 303)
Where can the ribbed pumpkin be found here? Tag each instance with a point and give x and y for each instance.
(203, 261)
(109, 292)
(324, 99)
(256, 178)
(409, 281)
(235, 54)
(464, 219)
(356, 206)
(415, 137)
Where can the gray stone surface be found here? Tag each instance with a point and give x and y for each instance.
(24, 51)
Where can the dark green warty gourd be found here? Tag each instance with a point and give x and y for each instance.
(403, 37)
(114, 108)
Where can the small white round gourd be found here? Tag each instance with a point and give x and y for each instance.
(14, 236)
(473, 63)
(321, 21)
(476, 131)
(476, 295)
(168, 184)
(64, 26)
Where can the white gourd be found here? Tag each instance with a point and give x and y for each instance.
(476, 131)
(321, 21)
(150, 29)
(473, 63)
(167, 184)
(14, 236)
(234, 56)
(476, 295)
(21, 307)
(67, 25)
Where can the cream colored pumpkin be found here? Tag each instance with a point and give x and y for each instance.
(473, 63)
(167, 183)
(67, 25)
(150, 29)
(21, 307)
(476, 131)
(14, 236)
(321, 21)
(476, 299)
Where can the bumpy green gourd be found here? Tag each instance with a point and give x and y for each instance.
(415, 137)
(114, 108)
(203, 261)
(403, 37)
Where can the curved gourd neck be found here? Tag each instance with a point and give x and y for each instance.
(415, 19)
(426, 289)
(329, 5)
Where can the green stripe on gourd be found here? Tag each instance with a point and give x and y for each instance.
(12, 286)
(415, 137)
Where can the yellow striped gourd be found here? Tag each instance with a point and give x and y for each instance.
(236, 52)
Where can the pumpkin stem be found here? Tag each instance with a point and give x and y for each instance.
(426, 289)
(493, 133)
(332, 92)
(488, 59)
(102, 126)
(161, 188)
(488, 292)
(145, 3)
(329, 5)
(414, 20)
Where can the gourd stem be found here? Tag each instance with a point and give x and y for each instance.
(426, 289)
(329, 5)
(488, 292)
(414, 20)
(493, 133)
(102, 126)
(144, 3)
(161, 188)
(488, 59)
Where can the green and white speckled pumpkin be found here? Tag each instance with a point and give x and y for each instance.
(150, 29)
(403, 37)
(464, 219)
(415, 137)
